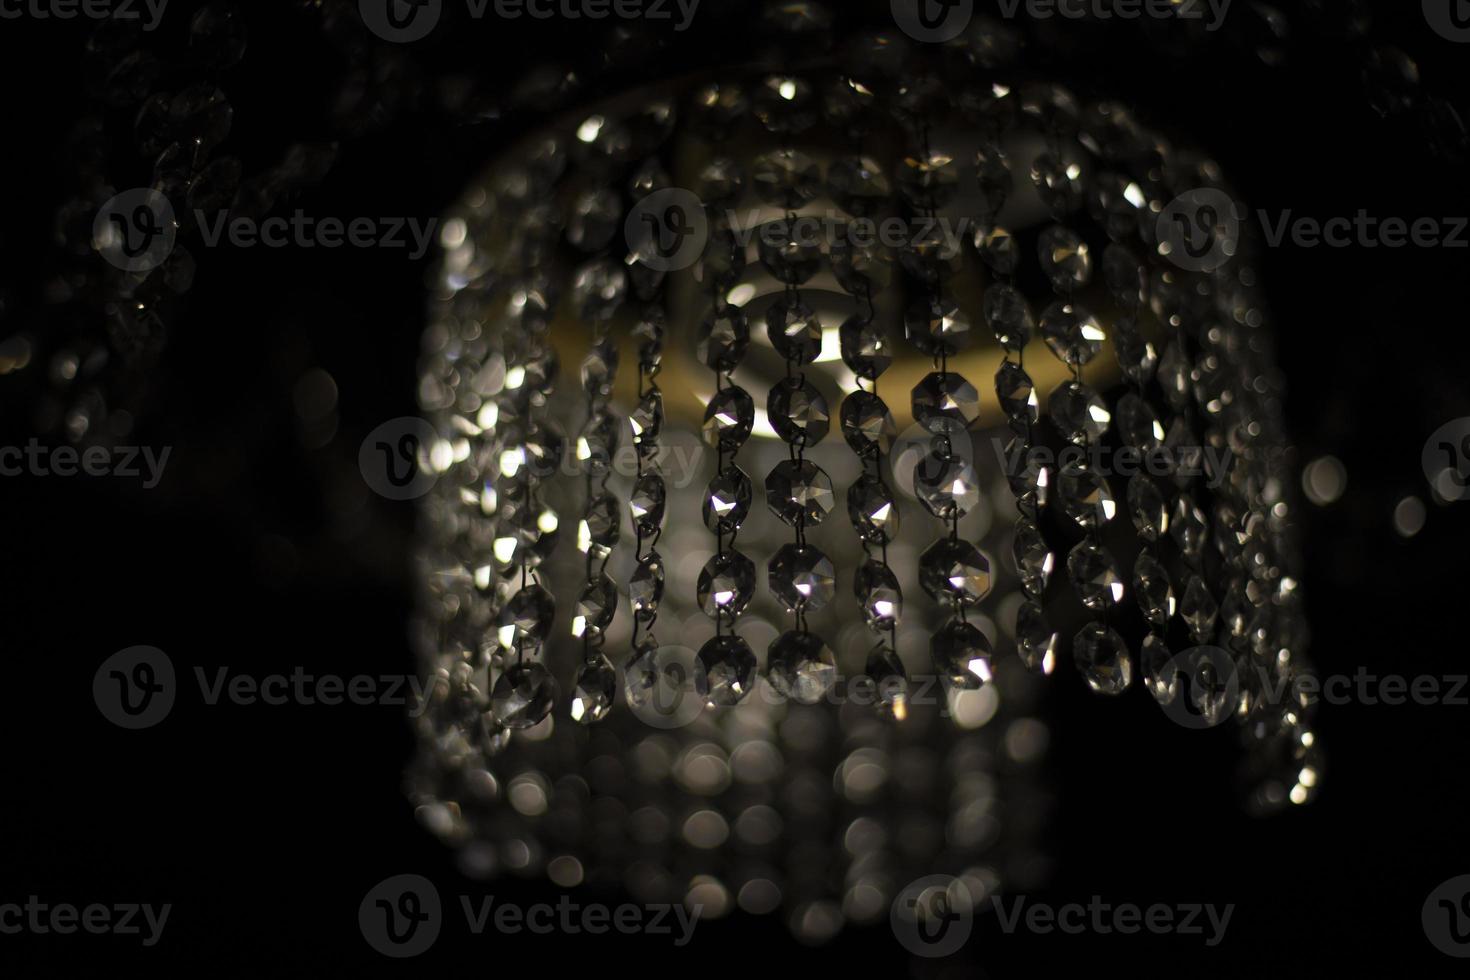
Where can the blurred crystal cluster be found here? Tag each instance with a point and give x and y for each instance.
(664, 659)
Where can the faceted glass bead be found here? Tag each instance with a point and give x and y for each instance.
(1009, 316)
(787, 254)
(1102, 659)
(642, 674)
(877, 591)
(1236, 611)
(872, 509)
(1064, 258)
(526, 619)
(523, 696)
(723, 338)
(595, 607)
(954, 573)
(864, 347)
(1078, 412)
(1094, 575)
(866, 423)
(946, 485)
(727, 500)
(726, 584)
(646, 587)
(724, 671)
(729, 418)
(801, 577)
(799, 492)
(596, 215)
(598, 533)
(1152, 589)
(1146, 507)
(1034, 559)
(997, 248)
(1189, 526)
(1173, 374)
(785, 104)
(1036, 641)
(944, 400)
(1016, 392)
(723, 260)
(598, 442)
(1027, 474)
(862, 267)
(1210, 685)
(599, 367)
(929, 256)
(1160, 675)
(928, 181)
(1085, 496)
(1058, 182)
(800, 667)
(890, 682)
(714, 108)
(993, 178)
(1124, 276)
(1199, 608)
(794, 330)
(1072, 332)
(1136, 355)
(1138, 426)
(936, 325)
(785, 178)
(598, 289)
(858, 185)
(596, 687)
(647, 417)
(720, 183)
(962, 655)
(798, 412)
(647, 503)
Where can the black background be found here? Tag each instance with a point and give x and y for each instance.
(265, 826)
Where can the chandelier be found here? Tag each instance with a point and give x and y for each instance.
(794, 426)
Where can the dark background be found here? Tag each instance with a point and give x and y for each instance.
(265, 826)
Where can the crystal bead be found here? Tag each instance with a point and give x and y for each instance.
(523, 696)
(1124, 276)
(729, 419)
(715, 108)
(863, 268)
(794, 330)
(1036, 641)
(720, 183)
(1214, 690)
(598, 289)
(1102, 658)
(785, 105)
(961, 655)
(800, 667)
(722, 262)
(1058, 181)
(727, 500)
(596, 687)
(877, 591)
(1137, 358)
(1094, 575)
(858, 185)
(1153, 590)
(646, 503)
(997, 249)
(596, 215)
(526, 619)
(1017, 394)
(954, 573)
(723, 338)
(597, 443)
(867, 424)
(1028, 475)
(936, 325)
(599, 367)
(799, 492)
(646, 587)
(526, 534)
(787, 254)
(946, 485)
(1138, 426)
(724, 671)
(1064, 258)
(595, 607)
(1160, 673)
(647, 417)
(1034, 559)
(928, 181)
(944, 400)
(598, 533)
(798, 412)
(1009, 316)
(993, 178)
(785, 178)
(1236, 611)
(726, 584)
(217, 36)
(890, 682)
(929, 256)
(1189, 527)
(1072, 332)
(1117, 203)
(864, 347)
(1199, 608)
(1147, 508)
(1173, 374)
(849, 106)
(801, 577)
(1078, 412)
(872, 509)
(1085, 496)
(642, 674)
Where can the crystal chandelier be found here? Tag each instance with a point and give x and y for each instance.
(689, 640)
